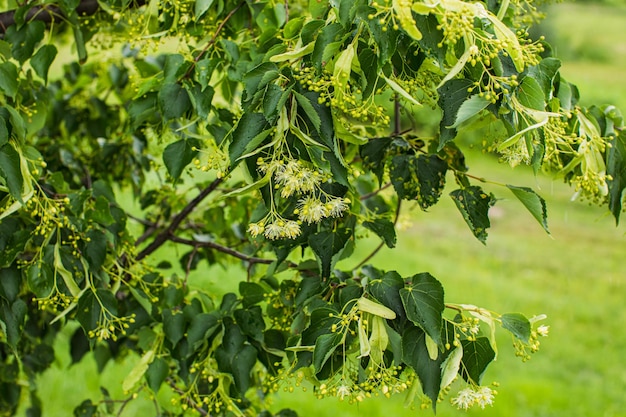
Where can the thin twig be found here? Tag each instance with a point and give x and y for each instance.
(373, 193)
(220, 248)
(213, 38)
(162, 237)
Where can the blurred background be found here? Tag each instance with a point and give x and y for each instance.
(575, 275)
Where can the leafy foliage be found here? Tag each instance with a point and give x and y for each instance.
(274, 136)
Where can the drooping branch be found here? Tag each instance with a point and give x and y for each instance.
(166, 234)
(220, 248)
(47, 13)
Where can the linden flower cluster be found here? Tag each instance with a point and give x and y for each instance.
(110, 325)
(342, 97)
(295, 177)
(474, 395)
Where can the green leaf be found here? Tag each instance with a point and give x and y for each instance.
(386, 289)
(477, 356)
(24, 39)
(8, 79)
(452, 95)
(422, 299)
(517, 324)
(95, 249)
(325, 346)
(10, 170)
(4, 132)
(234, 356)
(248, 128)
(544, 73)
(42, 60)
(470, 108)
(305, 103)
(533, 202)
(450, 367)
(250, 321)
(421, 178)
(415, 355)
(10, 283)
(255, 81)
(173, 101)
(474, 205)
(327, 44)
(173, 326)
(616, 168)
(530, 94)
(201, 7)
(156, 373)
(385, 229)
(327, 246)
(201, 328)
(138, 371)
(374, 153)
(201, 99)
(251, 292)
(178, 155)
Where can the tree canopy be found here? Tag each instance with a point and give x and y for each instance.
(275, 136)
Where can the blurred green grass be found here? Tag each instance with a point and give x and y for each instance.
(574, 276)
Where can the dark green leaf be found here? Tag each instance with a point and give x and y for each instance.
(178, 155)
(415, 355)
(325, 346)
(470, 108)
(10, 279)
(385, 229)
(42, 60)
(24, 39)
(172, 68)
(476, 357)
(156, 373)
(201, 329)
(616, 168)
(307, 288)
(451, 96)
(327, 246)
(321, 322)
(10, 170)
(85, 409)
(421, 178)
(251, 322)
(386, 289)
(173, 101)
(248, 128)
(40, 279)
(95, 249)
(4, 131)
(423, 302)
(251, 293)
(8, 79)
(517, 324)
(374, 153)
(201, 99)
(533, 202)
(544, 73)
(256, 80)
(326, 44)
(242, 363)
(474, 205)
(13, 315)
(305, 103)
(12, 245)
(173, 325)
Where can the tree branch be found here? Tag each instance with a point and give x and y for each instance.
(166, 234)
(48, 13)
(220, 248)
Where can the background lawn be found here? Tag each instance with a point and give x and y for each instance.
(574, 276)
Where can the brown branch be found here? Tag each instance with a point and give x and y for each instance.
(166, 234)
(220, 248)
(373, 193)
(213, 38)
(48, 13)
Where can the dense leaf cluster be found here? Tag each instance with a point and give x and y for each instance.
(271, 135)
